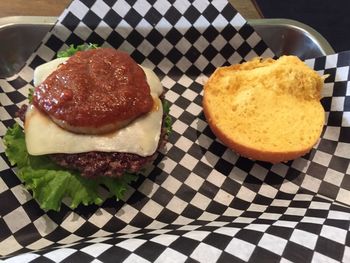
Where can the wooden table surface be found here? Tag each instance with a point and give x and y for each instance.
(55, 7)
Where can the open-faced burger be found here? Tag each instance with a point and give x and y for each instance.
(97, 113)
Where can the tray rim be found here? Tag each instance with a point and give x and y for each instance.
(307, 30)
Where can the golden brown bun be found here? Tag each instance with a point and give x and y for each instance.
(266, 110)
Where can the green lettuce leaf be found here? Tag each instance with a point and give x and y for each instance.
(50, 183)
(73, 49)
(167, 119)
(30, 95)
(16, 150)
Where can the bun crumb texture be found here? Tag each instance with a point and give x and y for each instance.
(266, 109)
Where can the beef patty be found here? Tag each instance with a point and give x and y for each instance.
(97, 164)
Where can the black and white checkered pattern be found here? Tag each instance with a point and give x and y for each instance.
(199, 201)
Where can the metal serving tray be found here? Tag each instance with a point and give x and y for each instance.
(20, 36)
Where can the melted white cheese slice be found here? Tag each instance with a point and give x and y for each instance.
(140, 137)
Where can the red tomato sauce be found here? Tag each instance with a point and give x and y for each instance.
(94, 88)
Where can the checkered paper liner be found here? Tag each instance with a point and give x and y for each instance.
(199, 201)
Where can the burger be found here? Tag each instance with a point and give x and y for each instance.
(95, 118)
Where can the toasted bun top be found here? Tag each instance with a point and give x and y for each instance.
(266, 109)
